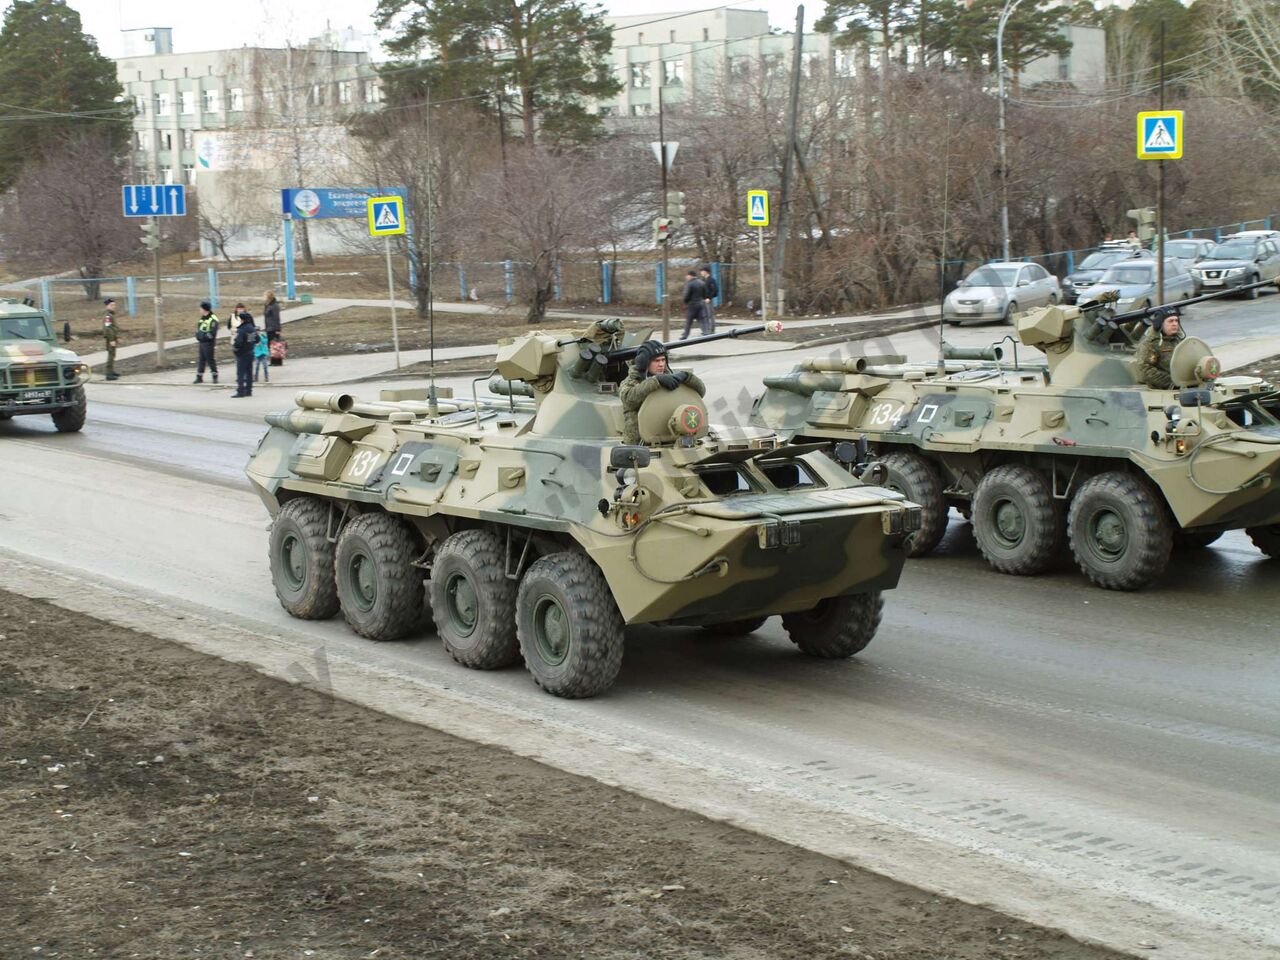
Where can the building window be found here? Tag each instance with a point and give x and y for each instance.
(166, 140)
(608, 110)
(811, 66)
(373, 91)
(140, 139)
(211, 101)
(317, 94)
(189, 173)
(163, 105)
(344, 91)
(140, 106)
(640, 37)
(672, 73)
(237, 99)
(639, 75)
(673, 37)
(187, 102)
(773, 65)
(846, 64)
(740, 67)
(188, 139)
(166, 175)
(641, 109)
(706, 34)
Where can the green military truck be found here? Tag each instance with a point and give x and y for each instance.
(36, 375)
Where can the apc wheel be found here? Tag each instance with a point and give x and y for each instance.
(1120, 532)
(570, 630)
(473, 602)
(735, 628)
(1266, 539)
(1194, 539)
(1016, 521)
(1252, 292)
(379, 588)
(914, 477)
(302, 560)
(836, 628)
(71, 419)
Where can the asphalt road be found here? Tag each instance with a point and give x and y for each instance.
(1109, 763)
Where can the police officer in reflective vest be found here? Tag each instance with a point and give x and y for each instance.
(206, 340)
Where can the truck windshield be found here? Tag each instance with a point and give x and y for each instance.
(24, 328)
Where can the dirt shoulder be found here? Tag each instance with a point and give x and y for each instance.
(157, 802)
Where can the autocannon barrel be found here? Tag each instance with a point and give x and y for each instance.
(805, 382)
(503, 387)
(993, 352)
(773, 326)
(299, 421)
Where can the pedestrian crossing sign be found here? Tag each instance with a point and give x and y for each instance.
(386, 216)
(1160, 135)
(758, 208)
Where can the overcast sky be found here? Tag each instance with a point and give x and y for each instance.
(233, 23)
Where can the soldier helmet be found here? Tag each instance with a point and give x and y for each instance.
(648, 352)
(1158, 316)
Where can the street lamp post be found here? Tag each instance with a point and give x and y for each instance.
(1005, 13)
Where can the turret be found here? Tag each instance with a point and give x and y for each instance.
(575, 382)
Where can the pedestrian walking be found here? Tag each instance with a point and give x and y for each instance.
(695, 296)
(262, 358)
(246, 340)
(713, 291)
(206, 342)
(110, 335)
(271, 317)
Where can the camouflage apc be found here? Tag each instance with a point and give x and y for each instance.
(36, 375)
(1074, 452)
(542, 534)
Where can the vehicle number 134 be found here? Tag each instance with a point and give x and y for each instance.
(884, 414)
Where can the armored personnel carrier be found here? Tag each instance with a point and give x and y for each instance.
(542, 534)
(36, 375)
(1070, 450)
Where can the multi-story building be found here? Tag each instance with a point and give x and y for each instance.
(683, 57)
(178, 98)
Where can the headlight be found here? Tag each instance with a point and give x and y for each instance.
(1125, 301)
(992, 301)
(1197, 271)
(1235, 271)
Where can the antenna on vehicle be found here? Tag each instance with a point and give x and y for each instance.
(433, 401)
(942, 267)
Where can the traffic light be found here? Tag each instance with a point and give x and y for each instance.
(150, 234)
(1145, 218)
(675, 206)
(661, 230)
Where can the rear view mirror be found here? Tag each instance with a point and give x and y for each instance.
(622, 457)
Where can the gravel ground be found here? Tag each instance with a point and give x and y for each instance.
(158, 803)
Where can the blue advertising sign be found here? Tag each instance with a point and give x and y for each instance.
(154, 200)
(318, 203)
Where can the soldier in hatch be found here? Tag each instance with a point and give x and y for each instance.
(649, 373)
(1157, 347)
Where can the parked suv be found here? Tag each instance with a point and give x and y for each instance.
(36, 375)
(1240, 259)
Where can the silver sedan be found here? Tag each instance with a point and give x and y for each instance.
(999, 290)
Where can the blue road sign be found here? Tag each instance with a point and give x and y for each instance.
(318, 203)
(154, 199)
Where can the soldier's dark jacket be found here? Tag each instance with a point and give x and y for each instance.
(1153, 359)
(635, 388)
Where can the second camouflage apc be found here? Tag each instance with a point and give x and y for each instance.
(1071, 451)
(542, 533)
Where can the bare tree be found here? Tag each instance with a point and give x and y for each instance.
(541, 207)
(56, 215)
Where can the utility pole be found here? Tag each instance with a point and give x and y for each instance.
(784, 204)
(1005, 13)
(666, 247)
(158, 301)
(1160, 191)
